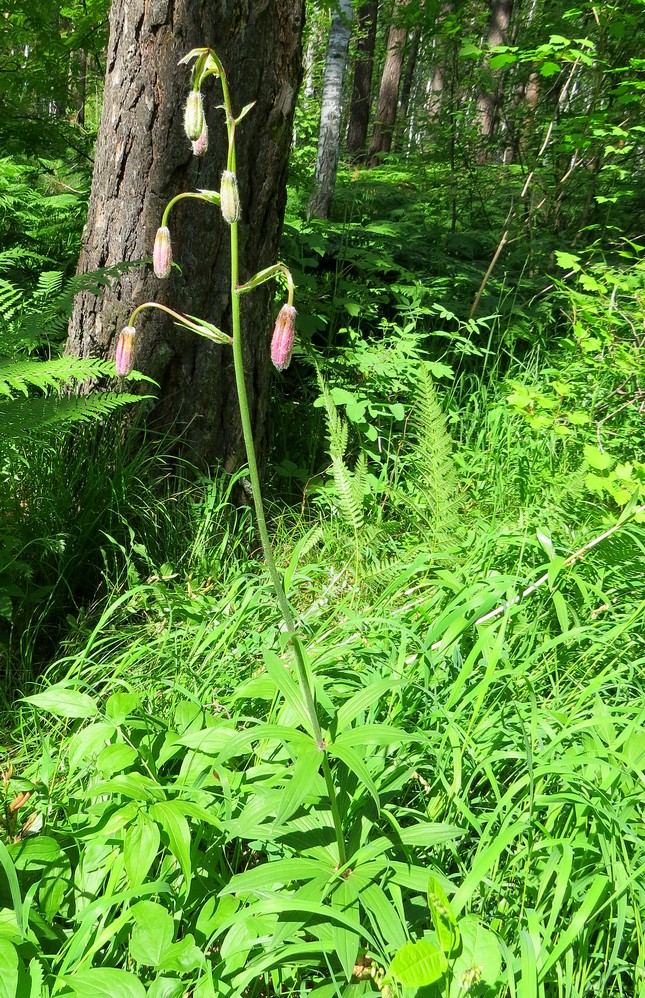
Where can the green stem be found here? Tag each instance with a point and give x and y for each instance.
(211, 198)
(210, 332)
(249, 444)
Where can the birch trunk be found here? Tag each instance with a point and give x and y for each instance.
(330, 116)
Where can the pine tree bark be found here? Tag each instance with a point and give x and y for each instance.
(330, 113)
(359, 110)
(143, 159)
(389, 91)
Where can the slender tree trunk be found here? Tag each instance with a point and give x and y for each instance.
(389, 91)
(491, 96)
(82, 88)
(440, 66)
(143, 159)
(359, 113)
(406, 88)
(330, 115)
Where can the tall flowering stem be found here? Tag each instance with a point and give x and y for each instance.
(208, 64)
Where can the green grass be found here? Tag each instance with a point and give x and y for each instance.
(167, 826)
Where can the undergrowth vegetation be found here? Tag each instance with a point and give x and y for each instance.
(456, 503)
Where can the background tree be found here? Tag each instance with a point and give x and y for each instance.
(489, 101)
(359, 110)
(330, 112)
(389, 90)
(48, 63)
(143, 159)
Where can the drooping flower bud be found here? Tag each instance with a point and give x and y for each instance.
(162, 253)
(229, 197)
(194, 115)
(200, 147)
(125, 351)
(283, 337)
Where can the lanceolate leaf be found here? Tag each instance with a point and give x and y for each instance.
(62, 701)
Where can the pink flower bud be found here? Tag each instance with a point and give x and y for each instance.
(229, 197)
(283, 337)
(200, 147)
(125, 351)
(162, 252)
(194, 115)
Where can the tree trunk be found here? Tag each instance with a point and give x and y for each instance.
(143, 159)
(330, 114)
(440, 63)
(389, 92)
(490, 99)
(406, 90)
(359, 112)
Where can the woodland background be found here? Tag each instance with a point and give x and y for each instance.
(455, 477)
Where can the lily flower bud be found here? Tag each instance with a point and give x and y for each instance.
(200, 147)
(229, 197)
(125, 351)
(283, 337)
(194, 115)
(162, 252)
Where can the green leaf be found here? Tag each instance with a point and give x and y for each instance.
(502, 59)
(597, 458)
(362, 700)
(374, 734)
(288, 687)
(416, 965)
(140, 848)
(479, 959)
(14, 888)
(304, 777)
(8, 969)
(61, 701)
(119, 706)
(268, 875)
(561, 610)
(153, 933)
(183, 957)
(549, 69)
(176, 828)
(346, 941)
(568, 261)
(167, 987)
(383, 915)
(86, 744)
(443, 919)
(136, 786)
(354, 762)
(116, 758)
(105, 982)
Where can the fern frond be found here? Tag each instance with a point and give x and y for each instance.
(351, 506)
(51, 374)
(434, 470)
(10, 300)
(50, 283)
(20, 418)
